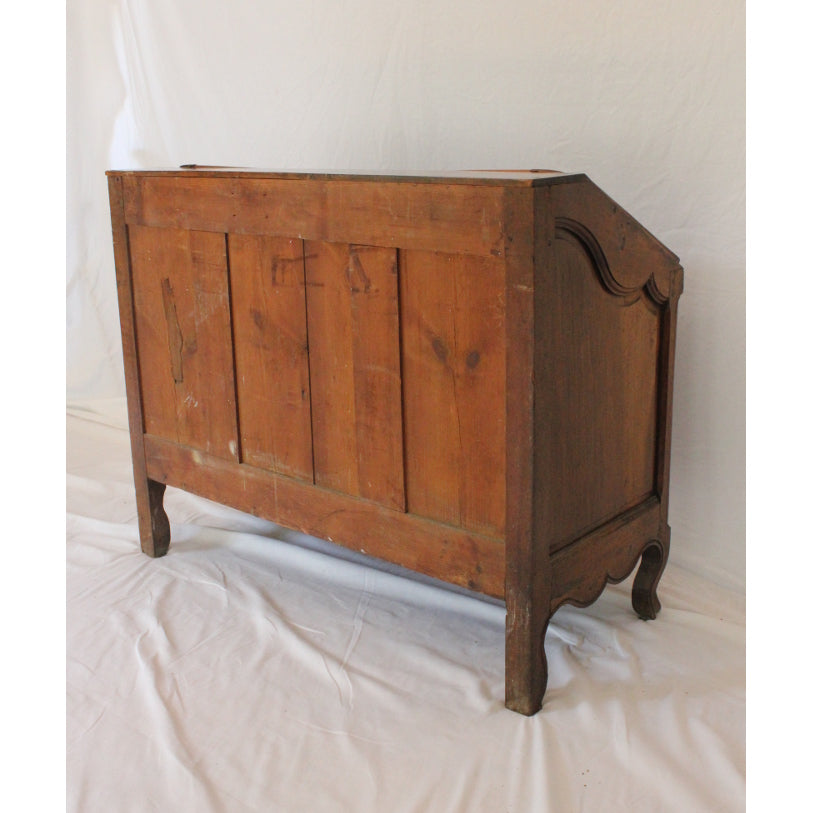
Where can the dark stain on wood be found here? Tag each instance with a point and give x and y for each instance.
(173, 331)
(441, 351)
(358, 279)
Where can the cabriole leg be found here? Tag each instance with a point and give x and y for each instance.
(153, 523)
(653, 561)
(526, 667)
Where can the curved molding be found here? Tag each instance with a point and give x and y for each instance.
(591, 587)
(656, 286)
(655, 294)
(617, 569)
(617, 545)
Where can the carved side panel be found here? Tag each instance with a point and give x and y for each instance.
(598, 352)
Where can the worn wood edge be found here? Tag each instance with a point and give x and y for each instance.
(617, 546)
(615, 240)
(654, 244)
(454, 555)
(496, 177)
(666, 375)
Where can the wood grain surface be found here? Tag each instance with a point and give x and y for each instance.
(269, 321)
(355, 370)
(181, 298)
(453, 312)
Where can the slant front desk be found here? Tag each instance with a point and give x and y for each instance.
(468, 374)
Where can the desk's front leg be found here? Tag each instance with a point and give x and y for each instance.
(526, 667)
(527, 565)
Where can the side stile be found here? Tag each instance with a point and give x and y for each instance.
(665, 387)
(153, 524)
(653, 560)
(527, 573)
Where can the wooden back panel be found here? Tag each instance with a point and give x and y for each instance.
(370, 364)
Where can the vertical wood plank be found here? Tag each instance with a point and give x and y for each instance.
(453, 313)
(181, 296)
(373, 278)
(271, 353)
(352, 305)
(431, 431)
(330, 351)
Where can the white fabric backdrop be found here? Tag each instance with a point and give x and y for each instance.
(647, 98)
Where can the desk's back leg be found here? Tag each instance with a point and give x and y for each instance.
(153, 523)
(653, 561)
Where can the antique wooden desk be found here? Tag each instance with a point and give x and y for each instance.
(468, 374)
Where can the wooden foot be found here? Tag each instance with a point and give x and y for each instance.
(526, 667)
(153, 522)
(653, 561)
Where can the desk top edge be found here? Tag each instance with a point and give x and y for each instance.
(533, 177)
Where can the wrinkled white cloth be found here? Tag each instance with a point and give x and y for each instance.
(257, 669)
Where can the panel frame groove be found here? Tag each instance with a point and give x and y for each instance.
(404, 451)
(308, 354)
(239, 451)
